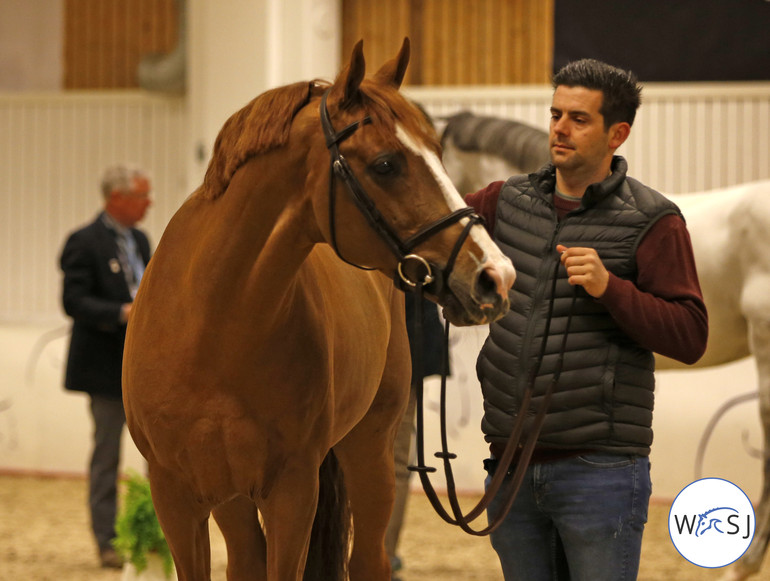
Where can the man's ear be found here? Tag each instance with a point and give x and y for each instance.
(619, 132)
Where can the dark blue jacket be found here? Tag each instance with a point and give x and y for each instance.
(94, 289)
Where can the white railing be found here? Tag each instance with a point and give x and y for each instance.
(53, 150)
(686, 138)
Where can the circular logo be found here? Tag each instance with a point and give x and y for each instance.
(711, 522)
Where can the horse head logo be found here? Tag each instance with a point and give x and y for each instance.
(707, 522)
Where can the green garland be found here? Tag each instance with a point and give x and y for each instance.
(137, 528)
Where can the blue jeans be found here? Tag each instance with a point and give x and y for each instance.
(578, 519)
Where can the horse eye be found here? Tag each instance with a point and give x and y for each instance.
(385, 165)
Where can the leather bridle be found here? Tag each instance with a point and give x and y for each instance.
(429, 275)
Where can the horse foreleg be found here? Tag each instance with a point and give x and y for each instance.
(238, 519)
(366, 456)
(751, 562)
(370, 484)
(288, 512)
(185, 524)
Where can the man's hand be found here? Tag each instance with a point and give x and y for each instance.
(125, 312)
(585, 268)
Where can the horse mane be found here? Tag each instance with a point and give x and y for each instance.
(263, 124)
(521, 145)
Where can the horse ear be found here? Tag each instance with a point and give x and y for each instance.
(351, 78)
(393, 71)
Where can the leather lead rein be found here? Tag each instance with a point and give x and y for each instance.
(515, 441)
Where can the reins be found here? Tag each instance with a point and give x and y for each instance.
(429, 275)
(518, 440)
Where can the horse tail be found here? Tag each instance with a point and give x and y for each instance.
(327, 558)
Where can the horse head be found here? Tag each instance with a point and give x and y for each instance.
(388, 203)
(707, 522)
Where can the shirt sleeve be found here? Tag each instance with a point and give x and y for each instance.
(485, 203)
(664, 310)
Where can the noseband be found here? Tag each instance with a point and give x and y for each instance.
(412, 270)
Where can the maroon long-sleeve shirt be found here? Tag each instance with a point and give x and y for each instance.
(663, 310)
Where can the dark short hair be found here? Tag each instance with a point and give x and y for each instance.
(621, 91)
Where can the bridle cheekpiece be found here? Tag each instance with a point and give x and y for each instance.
(413, 270)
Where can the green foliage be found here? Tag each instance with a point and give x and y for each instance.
(137, 528)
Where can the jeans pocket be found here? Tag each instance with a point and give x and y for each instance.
(605, 460)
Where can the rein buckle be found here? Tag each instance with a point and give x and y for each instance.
(422, 265)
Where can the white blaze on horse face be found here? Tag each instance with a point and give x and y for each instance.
(453, 198)
(492, 254)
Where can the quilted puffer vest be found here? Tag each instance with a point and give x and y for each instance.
(604, 397)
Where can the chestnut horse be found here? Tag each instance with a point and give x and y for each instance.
(260, 362)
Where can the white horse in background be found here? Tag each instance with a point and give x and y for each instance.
(730, 231)
(478, 150)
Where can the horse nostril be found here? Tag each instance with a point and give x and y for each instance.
(486, 288)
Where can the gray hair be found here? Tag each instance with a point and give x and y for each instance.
(120, 178)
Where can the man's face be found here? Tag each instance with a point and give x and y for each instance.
(578, 140)
(131, 207)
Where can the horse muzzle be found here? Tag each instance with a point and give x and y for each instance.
(486, 299)
(476, 299)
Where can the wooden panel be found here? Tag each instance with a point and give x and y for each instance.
(381, 25)
(104, 40)
(457, 42)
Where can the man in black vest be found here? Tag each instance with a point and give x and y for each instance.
(103, 263)
(606, 274)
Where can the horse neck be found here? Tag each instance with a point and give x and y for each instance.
(261, 230)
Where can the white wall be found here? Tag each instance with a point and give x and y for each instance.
(45, 429)
(53, 150)
(240, 48)
(42, 427)
(227, 56)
